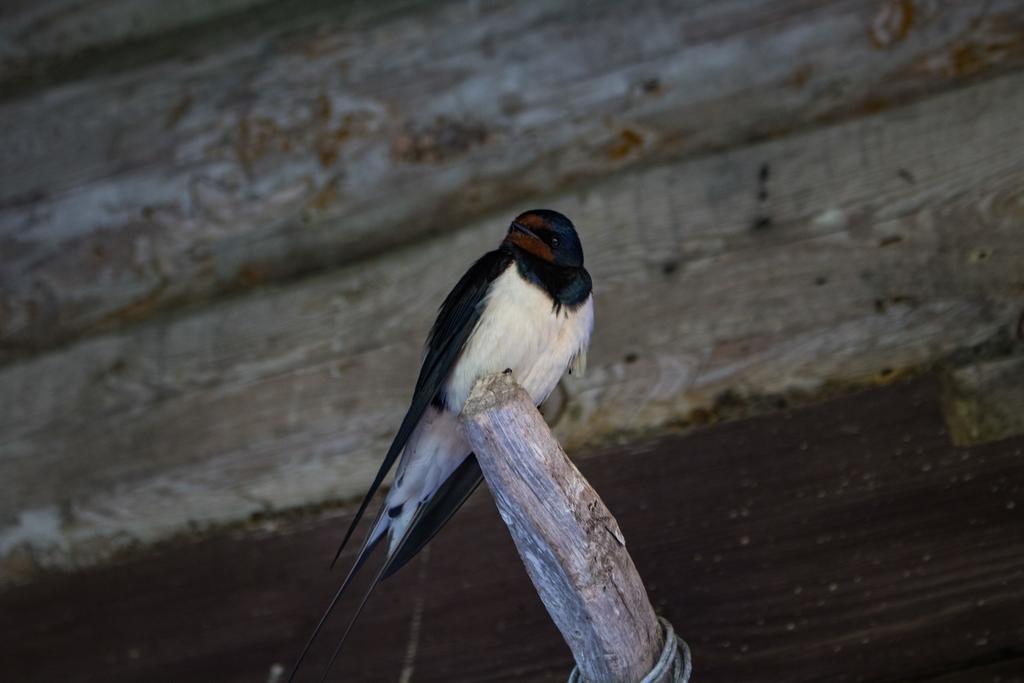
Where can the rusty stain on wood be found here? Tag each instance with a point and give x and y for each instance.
(799, 78)
(993, 38)
(627, 142)
(892, 22)
(442, 140)
(329, 145)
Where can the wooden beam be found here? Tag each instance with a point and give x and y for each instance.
(841, 541)
(319, 140)
(43, 36)
(842, 255)
(569, 542)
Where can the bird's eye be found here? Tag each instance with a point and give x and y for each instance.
(554, 241)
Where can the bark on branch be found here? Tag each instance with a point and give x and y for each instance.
(571, 545)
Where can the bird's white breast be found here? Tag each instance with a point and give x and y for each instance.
(521, 330)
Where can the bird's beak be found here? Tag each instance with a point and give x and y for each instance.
(519, 227)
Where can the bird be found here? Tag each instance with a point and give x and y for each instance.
(525, 307)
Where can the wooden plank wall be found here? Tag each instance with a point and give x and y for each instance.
(222, 240)
(248, 160)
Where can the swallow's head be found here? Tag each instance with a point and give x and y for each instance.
(549, 236)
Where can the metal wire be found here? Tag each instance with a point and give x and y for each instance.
(673, 666)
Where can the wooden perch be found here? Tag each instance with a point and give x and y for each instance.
(571, 545)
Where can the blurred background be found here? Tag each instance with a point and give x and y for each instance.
(225, 228)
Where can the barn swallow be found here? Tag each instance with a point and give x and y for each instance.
(526, 307)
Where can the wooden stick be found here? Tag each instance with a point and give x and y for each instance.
(571, 545)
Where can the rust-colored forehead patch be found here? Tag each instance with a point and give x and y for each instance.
(533, 221)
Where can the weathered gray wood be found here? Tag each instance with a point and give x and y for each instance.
(46, 31)
(892, 240)
(45, 42)
(248, 162)
(569, 542)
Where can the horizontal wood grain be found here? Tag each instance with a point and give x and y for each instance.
(49, 42)
(845, 254)
(847, 541)
(304, 142)
(43, 31)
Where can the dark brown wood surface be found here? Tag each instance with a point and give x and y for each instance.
(847, 541)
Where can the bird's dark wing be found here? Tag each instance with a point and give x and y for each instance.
(455, 322)
(436, 512)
